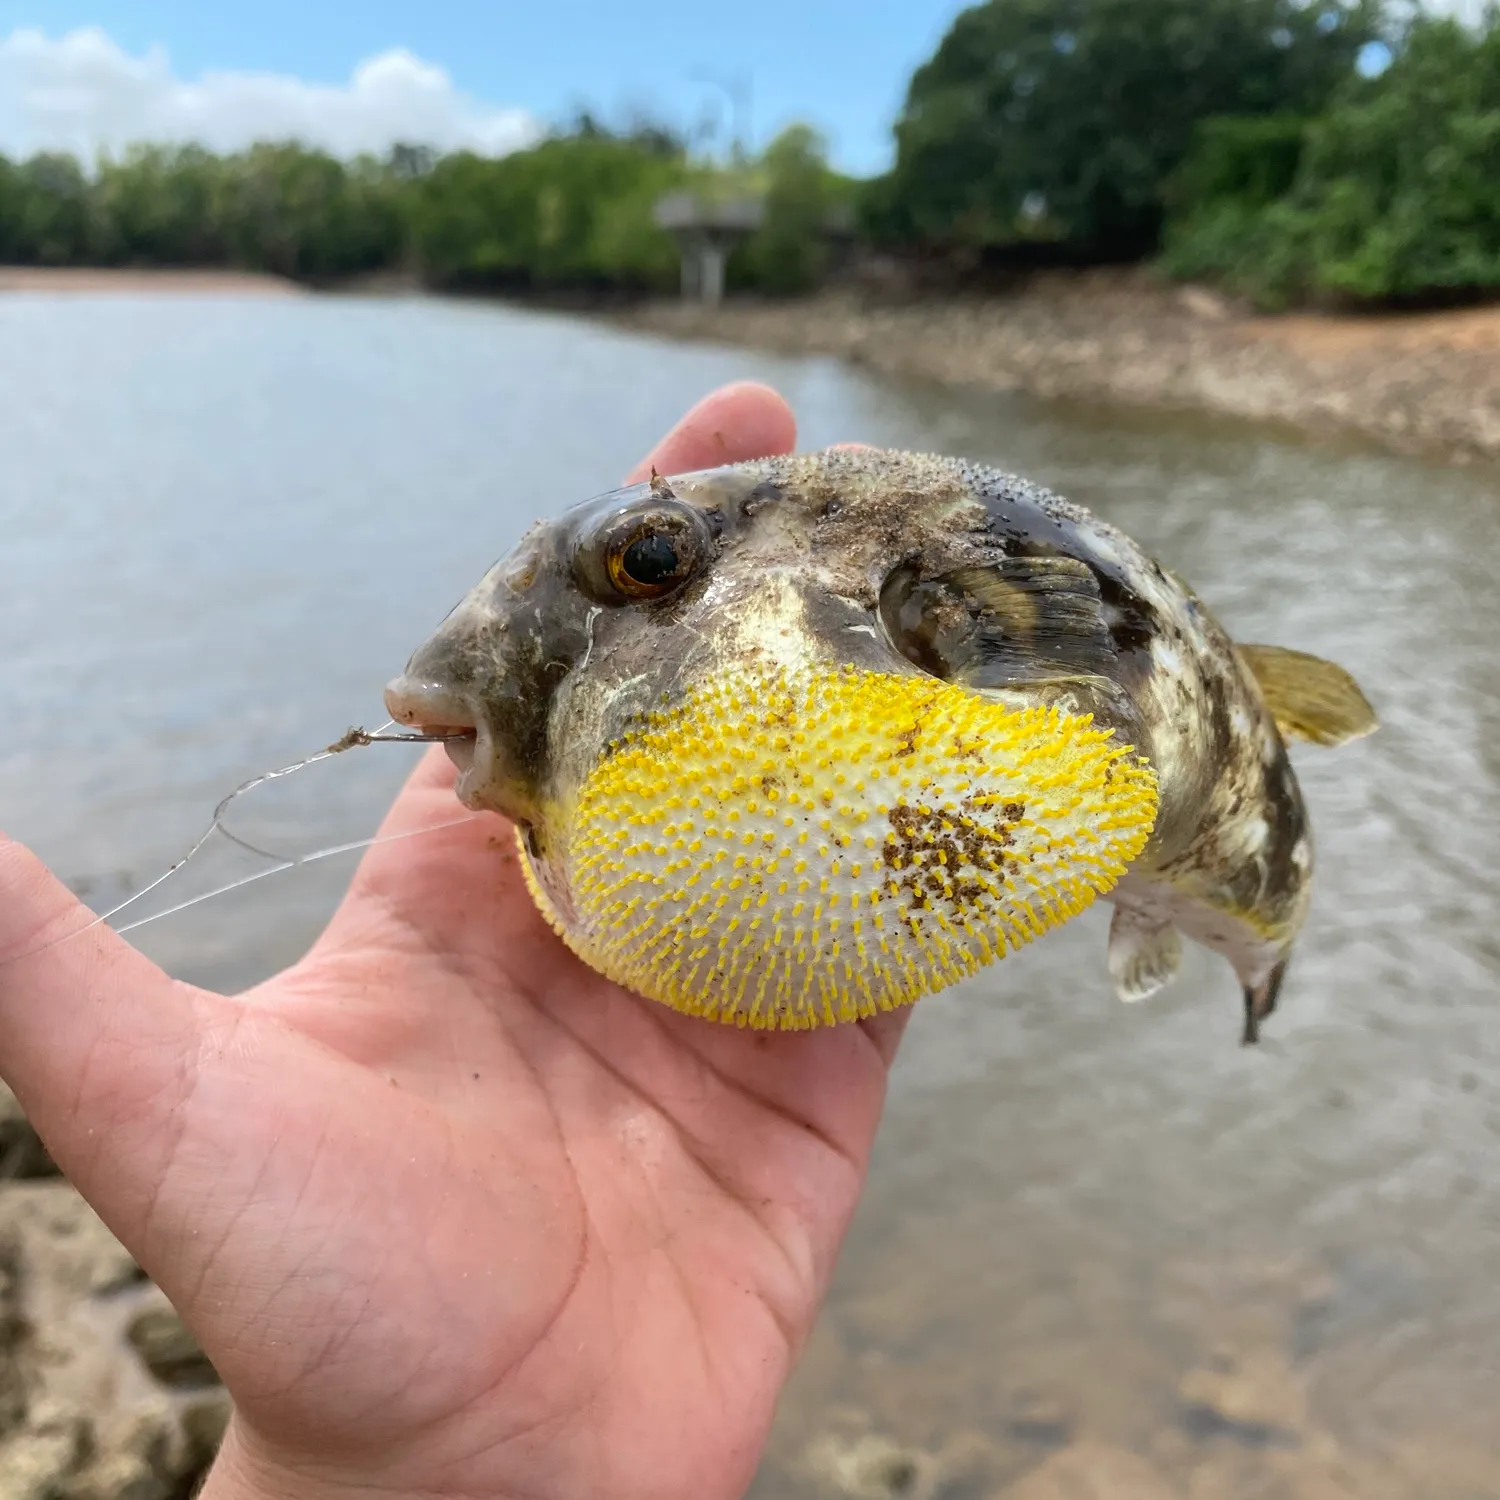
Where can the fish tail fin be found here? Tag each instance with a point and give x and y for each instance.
(1260, 1002)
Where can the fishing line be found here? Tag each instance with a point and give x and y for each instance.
(286, 864)
(283, 862)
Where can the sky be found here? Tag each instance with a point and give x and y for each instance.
(352, 75)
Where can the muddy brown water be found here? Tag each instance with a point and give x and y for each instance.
(1102, 1247)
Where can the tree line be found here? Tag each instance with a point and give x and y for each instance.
(1293, 150)
(574, 212)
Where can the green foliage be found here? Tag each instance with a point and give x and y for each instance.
(1061, 121)
(46, 216)
(302, 214)
(1250, 158)
(1238, 166)
(575, 211)
(789, 253)
(159, 206)
(1396, 194)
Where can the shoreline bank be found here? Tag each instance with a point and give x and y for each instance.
(177, 282)
(1427, 384)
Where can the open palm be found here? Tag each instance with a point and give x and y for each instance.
(450, 1213)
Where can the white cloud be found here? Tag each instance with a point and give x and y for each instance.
(85, 94)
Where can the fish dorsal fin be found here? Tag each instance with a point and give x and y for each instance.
(1144, 956)
(1310, 699)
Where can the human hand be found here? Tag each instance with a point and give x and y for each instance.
(450, 1213)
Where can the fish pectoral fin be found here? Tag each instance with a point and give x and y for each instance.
(1035, 615)
(1144, 956)
(1310, 699)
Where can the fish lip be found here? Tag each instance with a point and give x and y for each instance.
(432, 709)
(470, 740)
(474, 757)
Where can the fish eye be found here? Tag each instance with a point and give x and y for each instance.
(647, 566)
(644, 556)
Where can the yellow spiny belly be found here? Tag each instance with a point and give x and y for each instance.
(797, 850)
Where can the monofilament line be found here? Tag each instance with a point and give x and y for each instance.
(283, 863)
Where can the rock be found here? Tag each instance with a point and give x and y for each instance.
(95, 1366)
(1253, 1398)
(12, 1331)
(33, 1465)
(1203, 303)
(35, 1461)
(1091, 1471)
(1039, 1421)
(22, 1154)
(203, 1424)
(171, 1353)
(872, 1467)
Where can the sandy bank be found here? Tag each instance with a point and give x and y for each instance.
(1426, 383)
(53, 279)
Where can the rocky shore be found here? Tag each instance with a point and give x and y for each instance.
(105, 1396)
(103, 1393)
(1425, 383)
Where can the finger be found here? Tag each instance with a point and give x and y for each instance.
(96, 1041)
(733, 423)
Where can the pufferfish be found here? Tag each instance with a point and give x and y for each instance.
(791, 742)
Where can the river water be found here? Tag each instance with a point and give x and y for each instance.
(1103, 1251)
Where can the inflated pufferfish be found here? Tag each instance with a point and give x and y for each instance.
(798, 740)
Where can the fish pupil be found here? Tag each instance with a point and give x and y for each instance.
(650, 560)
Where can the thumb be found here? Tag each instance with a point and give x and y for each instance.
(96, 1041)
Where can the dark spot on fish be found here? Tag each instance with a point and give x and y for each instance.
(1286, 817)
(1221, 735)
(907, 740)
(972, 749)
(938, 855)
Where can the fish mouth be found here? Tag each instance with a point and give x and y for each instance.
(462, 745)
(432, 710)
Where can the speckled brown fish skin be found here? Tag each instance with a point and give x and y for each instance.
(908, 562)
